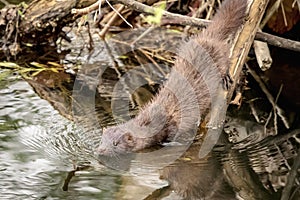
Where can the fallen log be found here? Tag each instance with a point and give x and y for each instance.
(33, 25)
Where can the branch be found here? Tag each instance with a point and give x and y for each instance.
(278, 41)
(191, 21)
(184, 20)
(239, 51)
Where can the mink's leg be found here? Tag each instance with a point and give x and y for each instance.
(227, 81)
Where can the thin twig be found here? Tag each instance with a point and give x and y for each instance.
(253, 111)
(86, 10)
(298, 3)
(267, 122)
(112, 19)
(97, 6)
(110, 55)
(153, 61)
(209, 13)
(279, 111)
(141, 36)
(91, 41)
(118, 13)
(291, 178)
(283, 14)
(275, 116)
(270, 13)
(196, 14)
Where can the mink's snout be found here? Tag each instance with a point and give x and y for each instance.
(103, 151)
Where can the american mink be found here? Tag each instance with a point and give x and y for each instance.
(200, 68)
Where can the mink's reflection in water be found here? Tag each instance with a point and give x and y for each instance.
(194, 178)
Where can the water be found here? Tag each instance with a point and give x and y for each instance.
(26, 173)
(39, 148)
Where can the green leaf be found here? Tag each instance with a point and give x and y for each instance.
(158, 13)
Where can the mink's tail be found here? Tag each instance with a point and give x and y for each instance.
(228, 19)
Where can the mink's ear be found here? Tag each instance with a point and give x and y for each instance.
(128, 138)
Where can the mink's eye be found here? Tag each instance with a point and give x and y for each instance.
(115, 143)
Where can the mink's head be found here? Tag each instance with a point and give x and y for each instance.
(115, 147)
(116, 140)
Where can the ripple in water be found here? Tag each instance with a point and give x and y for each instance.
(38, 147)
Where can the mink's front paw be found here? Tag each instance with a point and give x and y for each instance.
(227, 81)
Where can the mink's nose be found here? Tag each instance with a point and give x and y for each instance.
(111, 159)
(103, 151)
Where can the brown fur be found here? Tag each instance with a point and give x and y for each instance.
(186, 96)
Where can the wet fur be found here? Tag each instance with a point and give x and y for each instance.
(199, 70)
